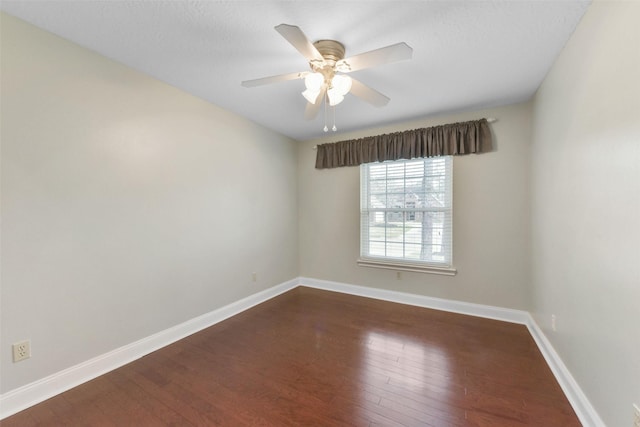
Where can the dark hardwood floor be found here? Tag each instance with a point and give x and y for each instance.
(317, 358)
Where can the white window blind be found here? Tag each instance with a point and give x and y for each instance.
(406, 211)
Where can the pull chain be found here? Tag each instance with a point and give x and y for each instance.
(325, 114)
(334, 128)
(333, 112)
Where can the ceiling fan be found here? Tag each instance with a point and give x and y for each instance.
(328, 68)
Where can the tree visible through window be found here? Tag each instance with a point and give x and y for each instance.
(406, 211)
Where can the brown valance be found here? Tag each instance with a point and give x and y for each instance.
(452, 139)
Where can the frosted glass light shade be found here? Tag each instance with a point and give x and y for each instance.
(342, 84)
(314, 81)
(311, 95)
(335, 97)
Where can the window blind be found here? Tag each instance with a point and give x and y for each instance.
(406, 211)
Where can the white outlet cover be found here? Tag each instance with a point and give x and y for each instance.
(21, 350)
(636, 416)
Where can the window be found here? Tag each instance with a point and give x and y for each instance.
(406, 215)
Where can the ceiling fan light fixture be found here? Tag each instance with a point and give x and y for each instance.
(323, 84)
(335, 97)
(314, 81)
(341, 83)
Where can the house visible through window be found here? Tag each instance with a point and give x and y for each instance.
(406, 212)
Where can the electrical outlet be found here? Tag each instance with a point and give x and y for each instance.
(553, 322)
(21, 351)
(254, 276)
(636, 416)
(398, 275)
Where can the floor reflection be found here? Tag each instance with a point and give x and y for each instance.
(404, 379)
(408, 363)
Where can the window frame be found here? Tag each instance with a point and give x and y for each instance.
(403, 263)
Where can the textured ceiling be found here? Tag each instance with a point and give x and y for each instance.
(466, 54)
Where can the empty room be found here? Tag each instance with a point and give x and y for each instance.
(320, 213)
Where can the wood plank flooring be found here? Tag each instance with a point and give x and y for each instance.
(318, 358)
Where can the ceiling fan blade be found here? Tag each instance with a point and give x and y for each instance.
(311, 110)
(274, 79)
(384, 55)
(367, 94)
(296, 37)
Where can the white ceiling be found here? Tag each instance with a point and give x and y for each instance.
(466, 54)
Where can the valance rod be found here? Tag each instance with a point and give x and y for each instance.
(489, 119)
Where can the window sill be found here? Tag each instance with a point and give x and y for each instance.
(400, 266)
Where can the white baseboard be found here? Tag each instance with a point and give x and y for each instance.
(23, 397)
(478, 310)
(581, 405)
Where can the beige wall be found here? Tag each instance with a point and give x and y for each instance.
(127, 206)
(122, 214)
(586, 207)
(491, 218)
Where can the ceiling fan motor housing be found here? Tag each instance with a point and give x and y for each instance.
(332, 51)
